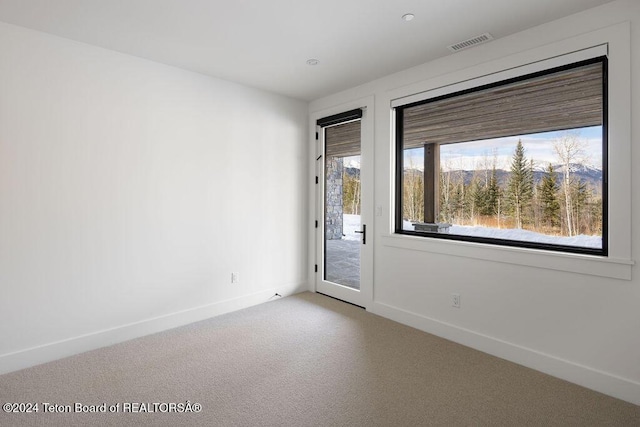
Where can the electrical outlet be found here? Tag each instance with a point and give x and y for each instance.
(235, 277)
(455, 300)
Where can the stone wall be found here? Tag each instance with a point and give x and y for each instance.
(333, 198)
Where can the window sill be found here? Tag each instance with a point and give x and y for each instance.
(575, 263)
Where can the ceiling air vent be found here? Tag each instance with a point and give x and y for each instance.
(482, 38)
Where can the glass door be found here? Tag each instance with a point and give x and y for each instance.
(342, 229)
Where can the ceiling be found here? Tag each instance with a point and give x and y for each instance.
(266, 43)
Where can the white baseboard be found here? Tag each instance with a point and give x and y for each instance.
(593, 379)
(45, 353)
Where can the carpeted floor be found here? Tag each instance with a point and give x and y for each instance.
(305, 360)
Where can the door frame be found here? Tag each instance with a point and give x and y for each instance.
(364, 297)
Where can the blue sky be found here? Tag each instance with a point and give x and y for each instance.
(539, 146)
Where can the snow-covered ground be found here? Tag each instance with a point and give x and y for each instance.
(521, 235)
(352, 223)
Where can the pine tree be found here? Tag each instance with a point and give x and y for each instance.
(520, 187)
(530, 189)
(548, 190)
(493, 194)
(479, 198)
(458, 200)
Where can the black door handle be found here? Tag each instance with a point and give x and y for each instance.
(364, 233)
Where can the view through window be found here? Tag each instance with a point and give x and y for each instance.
(519, 163)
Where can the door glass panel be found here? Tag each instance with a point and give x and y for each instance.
(342, 225)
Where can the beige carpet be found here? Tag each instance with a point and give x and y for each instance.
(306, 360)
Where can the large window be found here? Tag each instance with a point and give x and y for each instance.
(521, 162)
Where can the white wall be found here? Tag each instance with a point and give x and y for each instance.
(581, 327)
(129, 192)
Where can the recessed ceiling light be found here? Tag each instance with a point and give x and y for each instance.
(312, 61)
(408, 16)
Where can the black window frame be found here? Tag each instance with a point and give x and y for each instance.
(399, 167)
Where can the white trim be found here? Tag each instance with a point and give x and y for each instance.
(561, 261)
(56, 350)
(585, 376)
